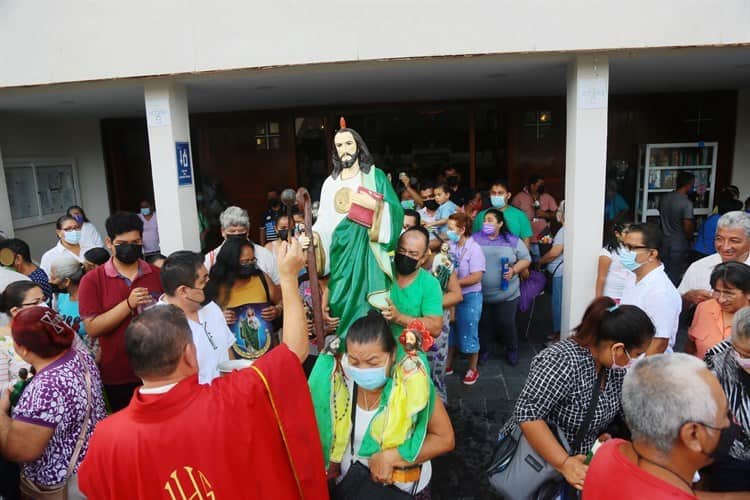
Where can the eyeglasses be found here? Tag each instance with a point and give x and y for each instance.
(633, 248)
(718, 294)
(34, 302)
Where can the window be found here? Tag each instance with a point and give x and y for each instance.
(40, 191)
(539, 121)
(267, 136)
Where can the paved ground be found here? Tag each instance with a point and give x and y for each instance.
(478, 411)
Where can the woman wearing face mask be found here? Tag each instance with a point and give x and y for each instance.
(90, 237)
(366, 418)
(612, 276)
(712, 321)
(506, 256)
(282, 231)
(65, 279)
(16, 297)
(561, 382)
(730, 361)
(147, 215)
(245, 293)
(69, 234)
(469, 262)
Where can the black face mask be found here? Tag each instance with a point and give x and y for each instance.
(540, 189)
(128, 253)
(283, 234)
(726, 438)
(237, 237)
(431, 205)
(452, 180)
(57, 288)
(405, 265)
(248, 271)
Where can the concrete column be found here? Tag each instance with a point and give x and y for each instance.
(585, 171)
(172, 166)
(741, 163)
(6, 219)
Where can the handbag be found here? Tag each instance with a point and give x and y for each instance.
(358, 484)
(529, 289)
(68, 488)
(517, 471)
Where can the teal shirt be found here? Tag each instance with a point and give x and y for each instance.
(518, 223)
(422, 297)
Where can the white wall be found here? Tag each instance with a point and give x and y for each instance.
(23, 136)
(741, 164)
(80, 40)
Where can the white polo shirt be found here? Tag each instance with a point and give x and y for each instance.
(53, 253)
(698, 275)
(266, 261)
(658, 298)
(212, 339)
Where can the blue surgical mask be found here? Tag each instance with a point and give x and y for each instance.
(497, 201)
(367, 378)
(145, 212)
(72, 237)
(452, 235)
(627, 259)
(407, 204)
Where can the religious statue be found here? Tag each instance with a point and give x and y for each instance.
(359, 222)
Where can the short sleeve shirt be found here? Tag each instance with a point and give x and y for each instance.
(446, 210)
(518, 223)
(557, 266)
(674, 207)
(101, 290)
(525, 202)
(56, 398)
(617, 275)
(509, 247)
(698, 275)
(422, 297)
(468, 259)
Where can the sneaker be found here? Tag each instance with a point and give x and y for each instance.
(449, 370)
(484, 357)
(512, 357)
(471, 377)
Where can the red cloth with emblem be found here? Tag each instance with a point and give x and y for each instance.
(223, 440)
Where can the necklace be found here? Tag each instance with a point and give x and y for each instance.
(367, 402)
(641, 457)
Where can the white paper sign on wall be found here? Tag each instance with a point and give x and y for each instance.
(592, 93)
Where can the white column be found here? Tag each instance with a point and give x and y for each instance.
(6, 219)
(585, 170)
(172, 172)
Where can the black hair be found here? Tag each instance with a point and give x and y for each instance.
(372, 328)
(651, 234)
(609, 240)
(97, 255)
(413, 213)
(180, 269)
(225, 271)
(504, 231)
(500, 182)
(60, 220)
(151, 258)
(534, 178)
(421, 230)
(684, 177)
(156, 339)
(606, 321)
(77, 207)
(19, 247)
(14, 294)
(363, 154)
(123, 222)
(426, 185)
(729, 205)
(735, 274)
(445, 188)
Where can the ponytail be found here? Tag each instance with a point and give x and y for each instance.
(604, 320)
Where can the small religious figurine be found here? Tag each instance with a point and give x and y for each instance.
(359, 222)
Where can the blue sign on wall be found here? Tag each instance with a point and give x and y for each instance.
(184, 172)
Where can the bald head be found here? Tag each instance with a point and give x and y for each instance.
(156, 341)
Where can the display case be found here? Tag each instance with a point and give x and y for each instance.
(658, 169)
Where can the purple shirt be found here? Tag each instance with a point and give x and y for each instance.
(467, 259)
(56, 398)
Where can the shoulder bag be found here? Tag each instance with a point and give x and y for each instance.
(68, 488)
(517, 471)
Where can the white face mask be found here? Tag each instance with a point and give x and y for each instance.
(627, 365)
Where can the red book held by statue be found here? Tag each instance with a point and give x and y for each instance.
(361, 214)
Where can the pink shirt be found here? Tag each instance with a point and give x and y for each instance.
(525, 202)
(708, 328)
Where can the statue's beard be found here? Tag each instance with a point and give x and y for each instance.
(349, 161)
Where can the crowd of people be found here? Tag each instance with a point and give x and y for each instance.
(127, 374)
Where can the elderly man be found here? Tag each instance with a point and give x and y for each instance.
(246, 435)
(732, 243)
(678, 416)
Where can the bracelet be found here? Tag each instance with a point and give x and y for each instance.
(127, 301)
(563, 462)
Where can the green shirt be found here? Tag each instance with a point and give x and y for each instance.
(422, 297)
(518, 223)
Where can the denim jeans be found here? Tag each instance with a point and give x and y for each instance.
(557, 289)
(464, 334)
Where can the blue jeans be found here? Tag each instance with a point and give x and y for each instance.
(464, 334)
(557, 290)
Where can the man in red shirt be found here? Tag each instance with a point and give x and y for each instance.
(249, 434)
(111, 295)
(680, 422)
